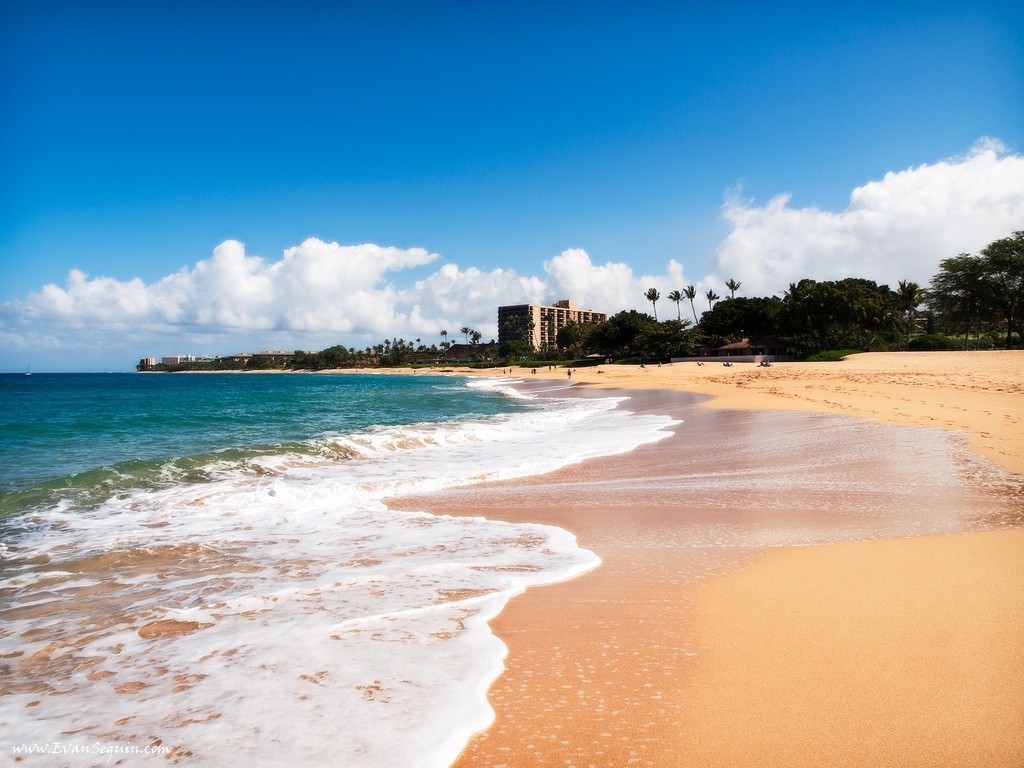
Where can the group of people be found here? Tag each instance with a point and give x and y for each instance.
(727, 364)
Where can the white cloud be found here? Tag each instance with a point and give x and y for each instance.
(896, 228)
(453, 297)
(316, 286)
(571, 274)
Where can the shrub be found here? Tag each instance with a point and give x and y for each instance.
(831, 355)
(933, 341)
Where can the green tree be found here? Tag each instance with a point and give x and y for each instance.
(618, 335)
(334, 357)
(976, 292)
(751, 317)
(1004, 269)
(712, 298)
(690, 292)
(306, 360)
(960, 295)
(653, 296)
(677, 297)
(874, 311)
(733, 286)
(662, 341)
(836, 314)
(516, 349)
(911, 295)
(574, 338)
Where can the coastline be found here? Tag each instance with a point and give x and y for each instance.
(900, 649)
(933, 389)
(930, 389)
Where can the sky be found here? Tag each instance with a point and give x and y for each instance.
(213, 178)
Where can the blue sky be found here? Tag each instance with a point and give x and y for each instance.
(666, 145)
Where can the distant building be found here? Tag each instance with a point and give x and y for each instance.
(275, 356)
(539, 325)
(177, 359)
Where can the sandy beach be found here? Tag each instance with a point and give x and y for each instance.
(848, 593)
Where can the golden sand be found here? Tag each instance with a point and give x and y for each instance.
(899, 652)
(896, 652)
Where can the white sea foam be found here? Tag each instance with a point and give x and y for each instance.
(327, 629)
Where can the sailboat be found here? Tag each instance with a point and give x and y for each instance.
(28, 369)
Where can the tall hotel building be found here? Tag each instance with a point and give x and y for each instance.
(539, 325)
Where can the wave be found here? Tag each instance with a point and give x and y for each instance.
(271, 591)
(555, 433)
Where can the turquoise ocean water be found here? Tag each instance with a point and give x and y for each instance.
(81, 437)
(205, 567)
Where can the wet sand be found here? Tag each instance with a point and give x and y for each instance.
(778, 588)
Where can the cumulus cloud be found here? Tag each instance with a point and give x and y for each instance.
(453, 297)
(315, 286)
(895, 228)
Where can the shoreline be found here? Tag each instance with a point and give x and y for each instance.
(902, 650)
(904, 388)
(920, 388)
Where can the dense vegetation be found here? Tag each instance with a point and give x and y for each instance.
(974, 301)
(982, 295)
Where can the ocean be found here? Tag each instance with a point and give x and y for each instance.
(205, 567)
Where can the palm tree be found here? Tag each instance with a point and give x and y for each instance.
(733, 286)
(676, 296)
(712, 298)
(653, 296)
(465, 330)
(444, 339)
(691, 293)
(910, 297)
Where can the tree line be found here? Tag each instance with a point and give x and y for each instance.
(395, 352)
